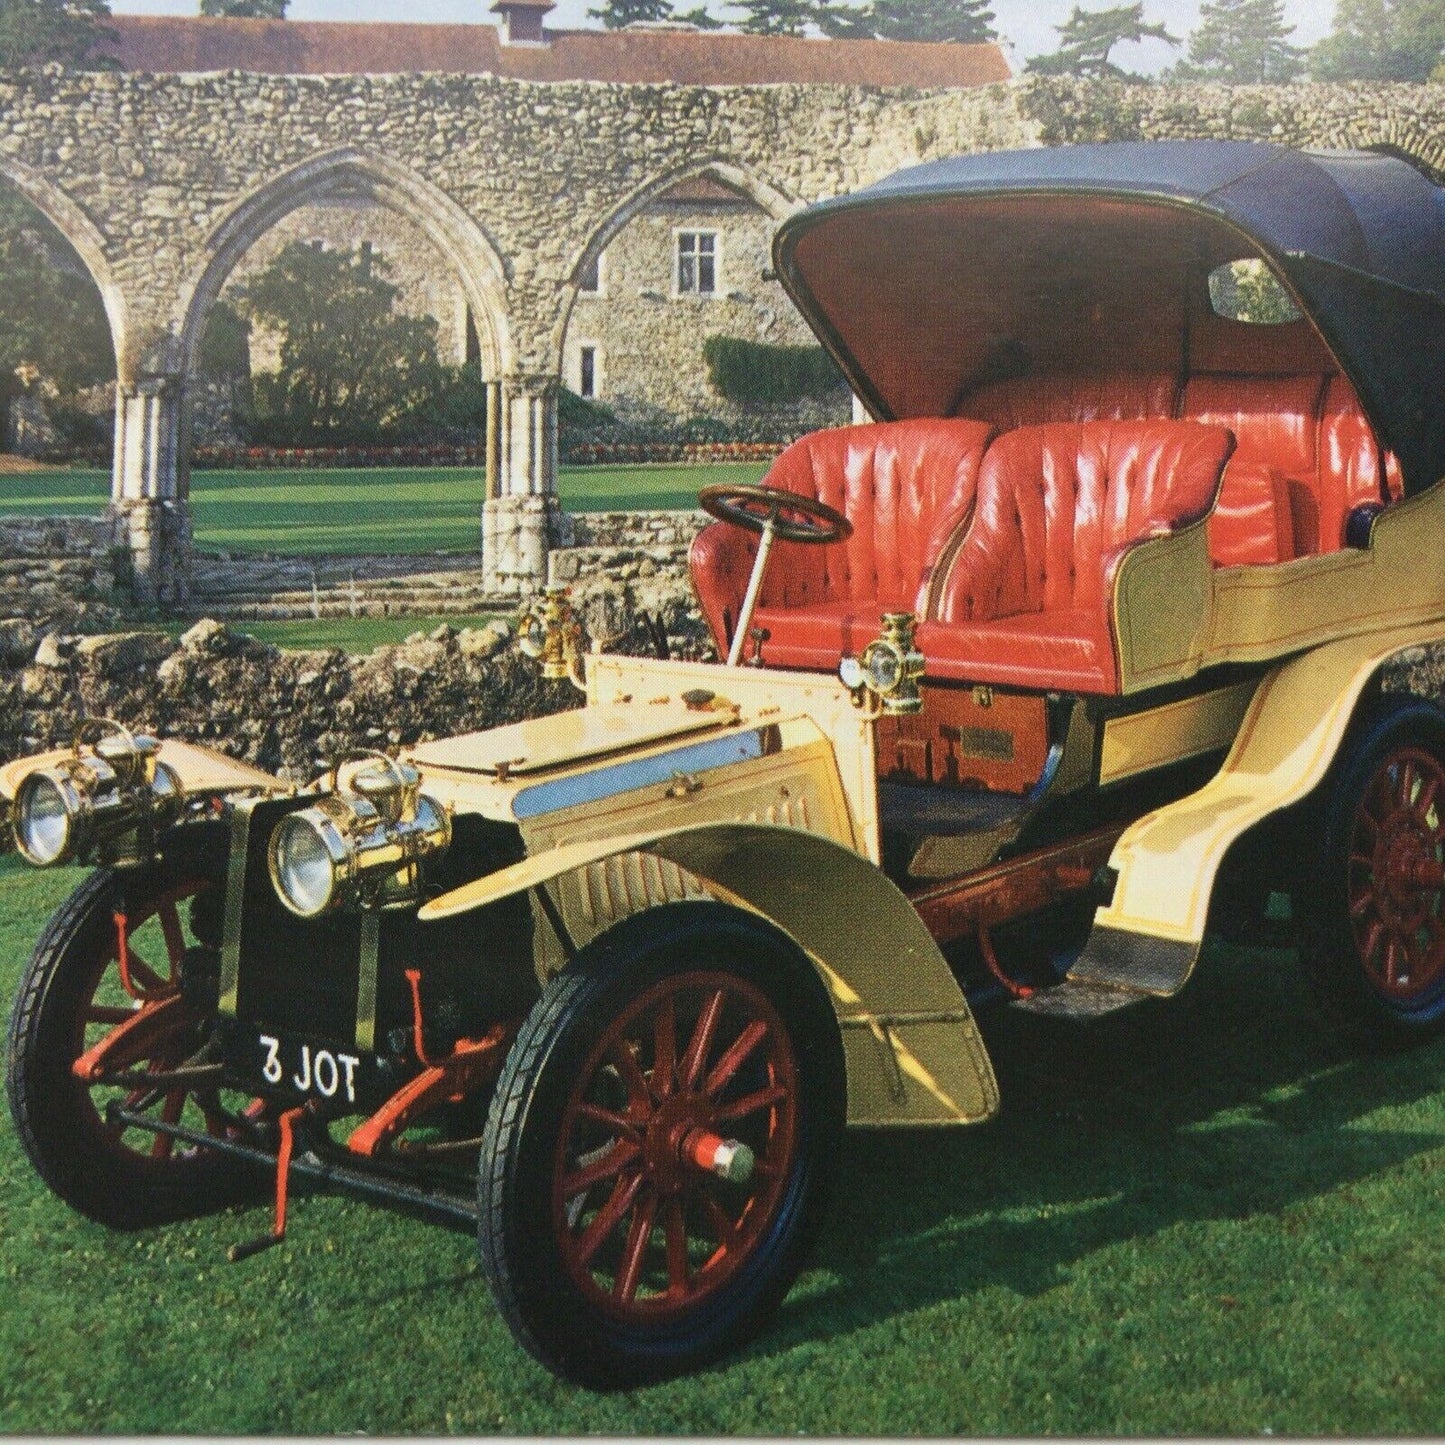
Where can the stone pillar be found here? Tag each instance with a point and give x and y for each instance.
(521, 519)
(149, 505)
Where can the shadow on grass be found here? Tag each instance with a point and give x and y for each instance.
(1223, 1103)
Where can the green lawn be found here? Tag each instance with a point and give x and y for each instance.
(1192, 1218)
(385, 510)
(351, 634)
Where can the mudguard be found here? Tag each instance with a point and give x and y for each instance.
(200, 769)
(913, 1051)
(1148, 938)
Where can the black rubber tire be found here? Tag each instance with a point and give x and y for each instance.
(549, 1315)
(81, 1161)
(1349, 1003)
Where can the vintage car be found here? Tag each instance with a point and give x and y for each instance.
(1072, 654)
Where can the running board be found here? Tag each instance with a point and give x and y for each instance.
(1122, 958)
(1079, 1000)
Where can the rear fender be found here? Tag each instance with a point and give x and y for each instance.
(913, 1051)
(1149, 936)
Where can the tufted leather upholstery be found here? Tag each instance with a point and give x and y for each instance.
(1028, 597)
(1353, 468)
(1036, 400)
(906, 487)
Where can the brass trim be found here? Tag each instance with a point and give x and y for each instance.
(367, 969)
(235, 902)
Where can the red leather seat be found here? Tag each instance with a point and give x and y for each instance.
(906, 486)
(1038, 400)
(1027, 600)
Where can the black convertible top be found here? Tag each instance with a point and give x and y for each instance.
(1358, 238)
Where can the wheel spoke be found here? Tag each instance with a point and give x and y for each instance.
(1392, 953)
(1372, 939)
(614, 1161)
(701, 1043)
(722, 1224)
(170, 920)
(103, 1014)
(1429, 787)
(142, 974)
(674, 1225)
(634, 1252)
(664, 1049)
(622, 1055)
(749, 1104)
(727, 1066)
(608, 1217)
(616, 1124)
(163, 1145)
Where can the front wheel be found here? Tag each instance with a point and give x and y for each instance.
(75, 995)
(655, 1159)
(1373, 922)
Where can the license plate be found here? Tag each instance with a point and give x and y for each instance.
(309, 1068)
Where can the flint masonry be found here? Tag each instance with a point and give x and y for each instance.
(520, 153)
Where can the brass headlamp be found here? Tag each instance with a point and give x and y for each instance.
(361, 844)
(890, 666)
(105, 803)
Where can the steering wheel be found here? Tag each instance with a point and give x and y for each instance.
(794, 518)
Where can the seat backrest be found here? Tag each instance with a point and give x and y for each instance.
(1275, 421)
(1055, 504)
(1038, 400)
(906, 487)
(1353, 466)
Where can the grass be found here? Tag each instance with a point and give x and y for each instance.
(1193, 1217)
(351, 634)
(384, 510)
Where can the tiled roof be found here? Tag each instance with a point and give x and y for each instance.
(292, 47)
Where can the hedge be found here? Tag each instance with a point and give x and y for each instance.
(752, 372)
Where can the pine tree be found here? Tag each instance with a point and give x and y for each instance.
(1087, 37)
(1382, 40)
(615, 14)
(246, 9)
(700, 18)
(33, 32)
(1242, 42)
(968, 22)
(779, 17)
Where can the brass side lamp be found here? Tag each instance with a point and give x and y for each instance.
(889, 668)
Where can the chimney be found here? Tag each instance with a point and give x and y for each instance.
(522, 20)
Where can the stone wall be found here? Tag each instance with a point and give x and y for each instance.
(58, 570)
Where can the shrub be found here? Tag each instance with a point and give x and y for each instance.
(752, 372)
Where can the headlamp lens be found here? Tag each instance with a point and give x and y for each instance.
(42, 821)
(304, 871)
(885, 669)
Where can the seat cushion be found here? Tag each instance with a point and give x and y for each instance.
(817, 637)
(1037, 400)
(1352, 464)
(1073, 651)
(905, 486)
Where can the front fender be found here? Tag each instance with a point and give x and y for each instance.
(913, 1051)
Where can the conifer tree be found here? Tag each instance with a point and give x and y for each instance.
(1087, 37)
(969, 22)
(1242, 42)
(246, 9)
(1382, 40)
(614, 14)
(779, 17)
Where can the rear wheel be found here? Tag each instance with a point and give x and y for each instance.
(73, 997)
(655, 1157)
(1373, 924)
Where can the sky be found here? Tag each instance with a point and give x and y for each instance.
(1027, 24)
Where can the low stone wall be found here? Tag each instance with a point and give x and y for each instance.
(636, 529)
(58, 570)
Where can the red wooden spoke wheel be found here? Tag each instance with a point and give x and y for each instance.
(658, 1146)
(1370, 908)
(100, 1013)
(1396, 883)
(646, 1225)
